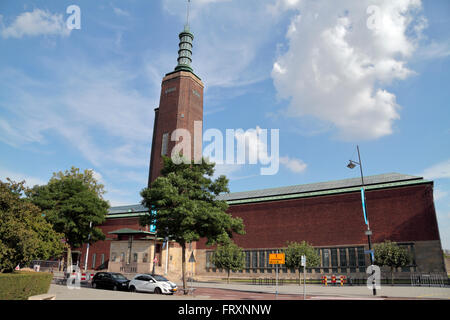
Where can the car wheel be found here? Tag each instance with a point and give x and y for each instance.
(115, 288)
(94, 285)
(132, 289)
(158, 291)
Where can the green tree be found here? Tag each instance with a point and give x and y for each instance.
(391, 255)
(294, 253)
(186, 208)
(230, 257)
(70, 201)
(25, 235)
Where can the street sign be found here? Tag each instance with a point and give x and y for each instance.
(303, 261)
(192, 258)
(276, 258)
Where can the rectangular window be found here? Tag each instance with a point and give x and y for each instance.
(361, 259)
(145, 257)
(122, 257)
(164, 144)
(343, 257)
(254, 259)
(334, 259)
(135, 257)
(352, 257)
(93, 260)
(114, 257)
(247, 259)
(262, 260)
(325, 257)
(103, 258)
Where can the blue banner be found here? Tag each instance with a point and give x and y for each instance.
(364, 205)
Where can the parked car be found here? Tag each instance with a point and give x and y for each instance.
(110, 280)
(152, 283)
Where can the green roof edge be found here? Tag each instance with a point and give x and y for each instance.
(328, 192)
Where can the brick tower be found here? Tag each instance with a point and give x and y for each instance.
(180, 104)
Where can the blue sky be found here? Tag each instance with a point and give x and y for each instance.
(328, 74)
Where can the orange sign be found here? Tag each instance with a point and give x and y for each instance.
(276, 258)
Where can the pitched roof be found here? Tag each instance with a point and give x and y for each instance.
(380, 181)
(319, 186)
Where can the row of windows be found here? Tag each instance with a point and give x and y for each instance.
(136, 256)
(333, 258)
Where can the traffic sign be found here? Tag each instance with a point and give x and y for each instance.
(192, 258)
(276, 258)
(303, 261)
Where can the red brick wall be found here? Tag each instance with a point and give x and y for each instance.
(397, 214)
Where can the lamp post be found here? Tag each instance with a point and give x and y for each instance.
(352, 164)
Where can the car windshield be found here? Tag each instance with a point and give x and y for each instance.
(160, 278)
(118, 276)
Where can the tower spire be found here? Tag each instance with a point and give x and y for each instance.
(187, 12)
(185, 46)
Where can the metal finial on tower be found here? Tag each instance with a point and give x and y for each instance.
(187, 12)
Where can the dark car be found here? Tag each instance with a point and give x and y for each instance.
(110, 280)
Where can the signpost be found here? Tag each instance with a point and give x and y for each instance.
(303, 263)
(276, 259)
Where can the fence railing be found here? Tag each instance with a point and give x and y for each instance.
(429, 280)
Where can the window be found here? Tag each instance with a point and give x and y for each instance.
(254, 260)
(93, 260)
(361, 259)
(209, 263)
(164, 144)
(334, 259)
(103, 258)
(135, 257)
(262, 260)
(343, 257)
(247, 260)
(114, 257)
(122, 257)
(325, 257)
(352, 257)
(145, 257)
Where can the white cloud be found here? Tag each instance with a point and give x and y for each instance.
(438, 171)
(94, 109)
(294, 165)
(35, 23)
(336, 67)
(439, 194)
(30, 181)
(121, 12)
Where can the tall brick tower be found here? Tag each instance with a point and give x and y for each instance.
(180, 104)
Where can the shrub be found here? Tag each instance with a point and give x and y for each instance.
(22, 285)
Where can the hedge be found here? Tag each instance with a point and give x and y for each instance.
(21, 285)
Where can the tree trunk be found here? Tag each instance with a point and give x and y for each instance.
(299, 277)
(69, 260)
(183, 266)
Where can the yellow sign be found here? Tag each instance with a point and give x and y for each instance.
(276, 258)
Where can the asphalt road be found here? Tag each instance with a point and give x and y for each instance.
(222, 291)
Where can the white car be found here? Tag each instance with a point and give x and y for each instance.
(152, 283)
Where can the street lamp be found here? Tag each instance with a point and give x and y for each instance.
(352, 164)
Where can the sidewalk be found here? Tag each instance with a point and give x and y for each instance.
(331, 291)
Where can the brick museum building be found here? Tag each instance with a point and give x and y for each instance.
(328, 215)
